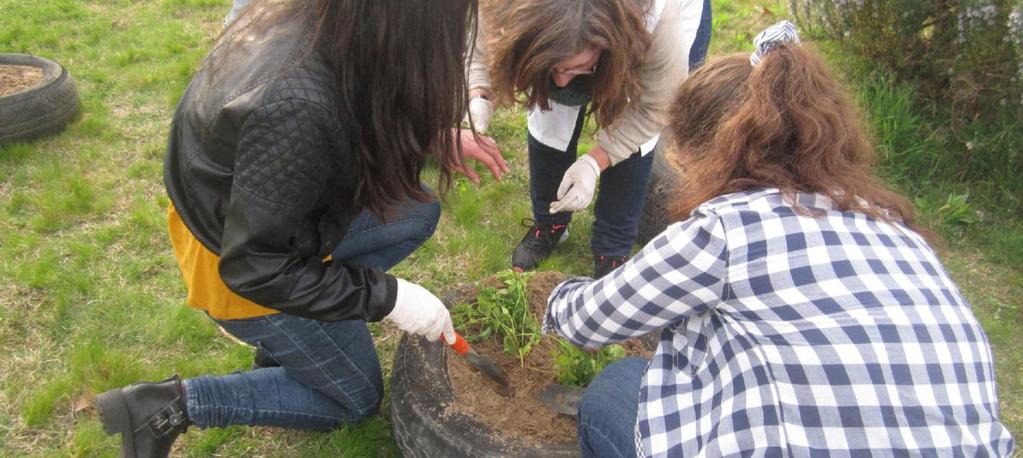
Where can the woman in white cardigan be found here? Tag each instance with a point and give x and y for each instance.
(620, 61)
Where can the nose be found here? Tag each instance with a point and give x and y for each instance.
(562, 80)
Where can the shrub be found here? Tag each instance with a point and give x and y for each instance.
(967, 52)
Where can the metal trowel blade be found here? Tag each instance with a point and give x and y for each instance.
(561, 399)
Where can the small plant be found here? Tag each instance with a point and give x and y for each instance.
(957, 211)
(577, 367)
(503, 311)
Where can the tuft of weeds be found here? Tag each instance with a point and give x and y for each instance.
(578, 367)
(503, 311)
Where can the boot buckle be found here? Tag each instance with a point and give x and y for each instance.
(166, 420)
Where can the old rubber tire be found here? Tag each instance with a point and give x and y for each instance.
(42, 109)
(420, 390)
(664, 181)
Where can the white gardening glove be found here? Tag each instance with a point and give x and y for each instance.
(480, 109)
(577, 186)
(418, 311)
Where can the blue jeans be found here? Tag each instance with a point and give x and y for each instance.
(608, 410)
(329, 373)
(698, 53)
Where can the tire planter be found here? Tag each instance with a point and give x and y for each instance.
(42, 109)
(420, 391)
(663, 180)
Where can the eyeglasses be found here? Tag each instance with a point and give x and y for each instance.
(570, 72)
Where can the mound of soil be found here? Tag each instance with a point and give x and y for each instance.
(16, 78)
(521, 414)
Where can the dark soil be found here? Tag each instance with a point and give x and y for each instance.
(16, 78)
(520, 415)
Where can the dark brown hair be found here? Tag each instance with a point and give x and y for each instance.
(786, 123)
(526, 38)
(398, 67)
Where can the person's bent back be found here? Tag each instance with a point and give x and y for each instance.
(804, 315)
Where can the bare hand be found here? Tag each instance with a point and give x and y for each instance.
(484, 151)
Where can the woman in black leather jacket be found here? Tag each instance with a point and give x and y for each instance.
(293, 170)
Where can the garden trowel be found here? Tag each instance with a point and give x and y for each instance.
(485, 366)
(561, 399)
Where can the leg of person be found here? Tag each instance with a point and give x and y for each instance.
(329, 376)
(619, 205)
(608, 410)
(547, 166)
(371, 241)
(698, 53)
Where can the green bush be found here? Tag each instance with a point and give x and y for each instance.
(965, 52)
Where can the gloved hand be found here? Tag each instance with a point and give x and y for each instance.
(418, 311)
(577, 186)
(480, 109)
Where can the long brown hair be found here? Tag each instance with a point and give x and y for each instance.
(528, 37)
(786, 123)
(398, 68)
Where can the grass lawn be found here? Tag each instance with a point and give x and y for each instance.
(90, 295)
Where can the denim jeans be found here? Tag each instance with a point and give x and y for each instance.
(698, 53)
(329, 373)
(608, 410)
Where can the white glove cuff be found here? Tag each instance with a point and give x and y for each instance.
(593, 163)
(402, 297)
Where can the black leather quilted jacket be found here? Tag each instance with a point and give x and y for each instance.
(260, 168)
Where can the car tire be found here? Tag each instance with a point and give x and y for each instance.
(42, 109)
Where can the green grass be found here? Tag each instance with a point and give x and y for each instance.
(90, 295)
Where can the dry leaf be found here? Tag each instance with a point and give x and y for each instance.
(84, 402)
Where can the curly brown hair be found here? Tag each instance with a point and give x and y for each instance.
(526, 38)
(786, 123)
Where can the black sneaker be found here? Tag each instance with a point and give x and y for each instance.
(537, 244)
(603, 265)
(149, 416)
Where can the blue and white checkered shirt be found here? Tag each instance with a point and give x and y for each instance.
(792, 335)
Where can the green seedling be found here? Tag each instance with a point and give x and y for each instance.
(503, 311)
(577, 367)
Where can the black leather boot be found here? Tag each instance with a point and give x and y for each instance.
(149, 416)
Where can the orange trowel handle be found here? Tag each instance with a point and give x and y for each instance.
(460, 346)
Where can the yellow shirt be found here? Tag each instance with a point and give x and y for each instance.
(199, 266)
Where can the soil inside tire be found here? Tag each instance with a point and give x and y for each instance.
(16, 78)
(520, 415)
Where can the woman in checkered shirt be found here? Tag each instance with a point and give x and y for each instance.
(802, 314)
